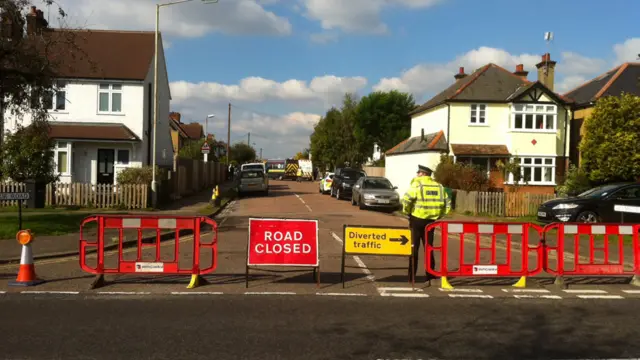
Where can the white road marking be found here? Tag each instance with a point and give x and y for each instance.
(461, 290)
(196, 293)
(409, 295)
(526, 290)
(123, 293)
(341, 294)
(50, 292)
(476, 296)
(361, 264)
(554, 297)
(399, 289)
(632, 291)
(583, 291)
(269, 293)
(600, 297)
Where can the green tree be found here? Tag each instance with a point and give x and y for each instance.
(610, 147)
(383, 118)
(28, 154)
(192, 149)
(242, 153)
(301, 156)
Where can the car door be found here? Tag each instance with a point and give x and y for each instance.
(623, 206)
(357, 189)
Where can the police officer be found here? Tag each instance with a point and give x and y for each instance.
(425, 202)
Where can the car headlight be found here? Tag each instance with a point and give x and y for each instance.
(565, 206)
(345, 185)
(369, 196)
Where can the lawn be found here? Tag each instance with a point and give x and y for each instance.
(42, 224)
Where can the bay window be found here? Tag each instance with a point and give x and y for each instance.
(534, 117)
(537, 171)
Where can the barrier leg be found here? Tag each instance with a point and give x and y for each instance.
(196, 280)
(559, 281)
(98, 282)
(635, 281)
(444, 283)
(522, 282)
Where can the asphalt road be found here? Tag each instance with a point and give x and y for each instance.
(285, 327)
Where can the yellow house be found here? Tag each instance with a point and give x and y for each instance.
(492, 114)
(624, 78)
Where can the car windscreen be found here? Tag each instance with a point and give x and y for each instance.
(377, 184)
(253, 167)
(351, 175)
(599, 191)
(252, 174)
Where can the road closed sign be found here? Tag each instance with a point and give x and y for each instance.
(371, 240)
(283, 242)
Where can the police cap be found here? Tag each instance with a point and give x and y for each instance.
(424, 169)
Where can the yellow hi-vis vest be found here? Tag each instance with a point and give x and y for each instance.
(426, 199)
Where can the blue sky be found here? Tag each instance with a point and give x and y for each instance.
(282, 63)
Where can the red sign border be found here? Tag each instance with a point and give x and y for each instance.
(317, 264)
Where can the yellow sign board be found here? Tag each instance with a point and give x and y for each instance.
(377, 240)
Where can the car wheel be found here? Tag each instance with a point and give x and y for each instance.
(587, 217)
(361, 206)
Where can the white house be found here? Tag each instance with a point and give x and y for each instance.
(493, 114)
(102, 113)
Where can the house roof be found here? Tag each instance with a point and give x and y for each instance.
(488, 83)
(91, 131)
(194, 130)
(435, 141)
(478, 149)
(624, 78)
(176, 125)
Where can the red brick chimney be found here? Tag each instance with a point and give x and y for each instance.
(546, 71)
(35, 21)
(520, 71)
(460, 74)
(175, 116)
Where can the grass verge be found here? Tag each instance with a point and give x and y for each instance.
(42, 224)
(224, 199)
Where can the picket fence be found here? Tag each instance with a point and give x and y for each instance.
(510, 204)
(126, 196)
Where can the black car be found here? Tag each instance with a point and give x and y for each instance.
(343, 182)
(612, 203)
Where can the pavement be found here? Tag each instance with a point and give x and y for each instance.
(56, 246)
(284, 314)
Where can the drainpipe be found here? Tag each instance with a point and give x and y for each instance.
(448, 126)
(564, 146)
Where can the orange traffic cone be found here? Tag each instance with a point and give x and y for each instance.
(27, 272)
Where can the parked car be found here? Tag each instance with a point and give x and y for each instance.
(325, 183)
(253, 181)
(375, 192)
(612, 203)
(343, 182)
(256, 166)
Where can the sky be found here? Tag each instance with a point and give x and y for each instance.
(283, 63)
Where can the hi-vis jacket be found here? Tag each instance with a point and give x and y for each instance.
(426, 199)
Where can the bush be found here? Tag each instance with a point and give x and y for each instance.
(140, 175)
(576, 181)
(460, 176)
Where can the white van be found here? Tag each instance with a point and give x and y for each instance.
(256, 166)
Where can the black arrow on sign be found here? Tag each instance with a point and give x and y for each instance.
(402, 239)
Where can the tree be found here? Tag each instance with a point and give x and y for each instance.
(610, 147)
(192, 149)
(242, 153)
(383, 118)
(302, 155)
(28, 154)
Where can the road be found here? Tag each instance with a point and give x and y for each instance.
(284, 315)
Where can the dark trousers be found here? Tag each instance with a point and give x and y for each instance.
(417, 236)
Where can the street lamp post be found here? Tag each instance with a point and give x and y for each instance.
(154, 185)
(206, 124)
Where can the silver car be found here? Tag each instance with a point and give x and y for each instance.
(252, 181)
(375, 192)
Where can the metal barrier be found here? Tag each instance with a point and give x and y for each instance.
(493, 268)
(590, 265)
(174, 224)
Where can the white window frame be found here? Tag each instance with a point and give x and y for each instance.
(530, 163)
(59, 87)
(532, 110)
(475, 113)
(63, 149)
(110, 91)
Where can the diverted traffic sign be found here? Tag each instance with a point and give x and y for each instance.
(376, 240)
(368, 240)
(283, 242)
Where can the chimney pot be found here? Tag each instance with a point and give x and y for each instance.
(34, 10)
(519, 68)
(546, 57)
(422, 134)
(460, 73)
(461, 70)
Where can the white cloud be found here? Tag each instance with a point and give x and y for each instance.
(357, 16)
(628, 50)
(324, 37)
(185, 20)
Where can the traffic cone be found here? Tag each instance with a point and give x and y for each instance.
(27, 272)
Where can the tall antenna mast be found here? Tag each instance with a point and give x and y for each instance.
(548, 37)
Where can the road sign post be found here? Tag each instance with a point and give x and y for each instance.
(283, 242)
(376, 240)
(205, 150)
(19, 197)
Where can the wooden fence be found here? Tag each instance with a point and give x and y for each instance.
(507, 204)
(127, 196)
(374, 170)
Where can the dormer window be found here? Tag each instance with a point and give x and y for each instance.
(534, 117)
(478, 114)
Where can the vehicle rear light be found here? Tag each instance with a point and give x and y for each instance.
(328, 180)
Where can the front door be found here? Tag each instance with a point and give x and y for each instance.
(106, 159)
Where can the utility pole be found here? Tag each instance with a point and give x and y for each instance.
(228, 134)
(260, 153)
(249, 139)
